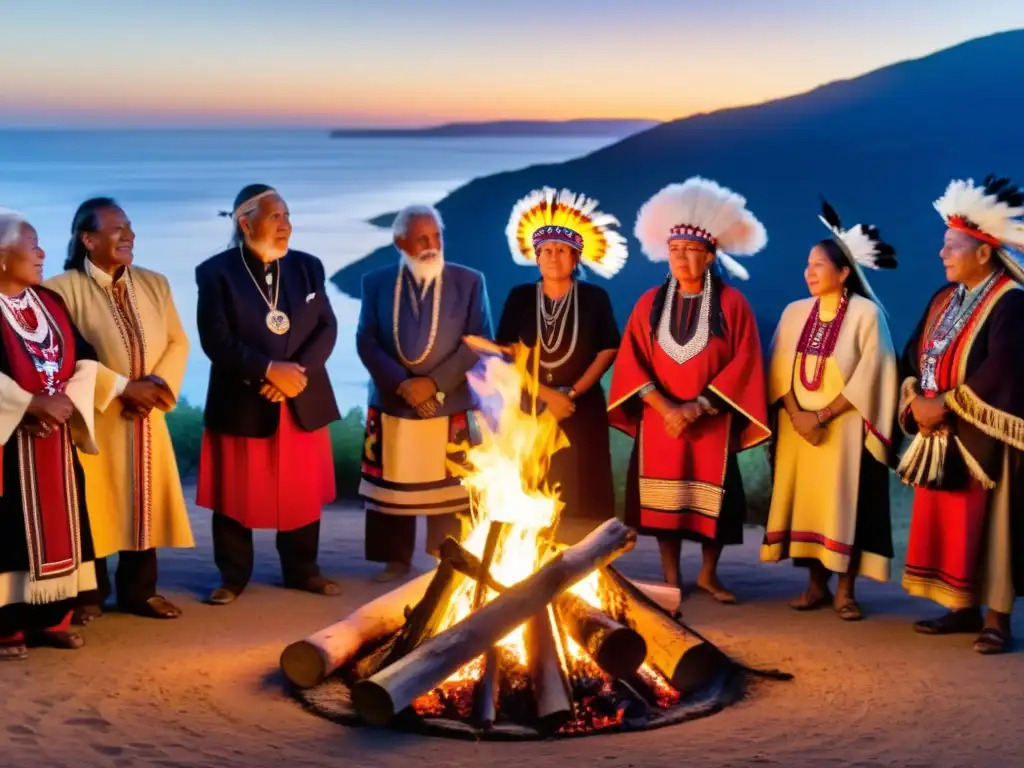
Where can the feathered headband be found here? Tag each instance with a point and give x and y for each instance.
(701, 210)
(544, 216)
(862, 244)
(992, 213)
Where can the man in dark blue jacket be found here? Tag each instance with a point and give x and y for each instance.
(267, 326)
(411, 326)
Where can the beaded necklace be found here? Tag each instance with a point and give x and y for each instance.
(556, 320)
(819, 339)
(434, 317)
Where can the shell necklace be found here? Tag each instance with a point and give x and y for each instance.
(551, 342)
(682, 353)
(434, 317)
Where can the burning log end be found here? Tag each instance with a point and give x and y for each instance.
(616, 649)
(310, 661)
(550, 686)
(303, 665)
(688, 660)
(373, 702)
(394, 687)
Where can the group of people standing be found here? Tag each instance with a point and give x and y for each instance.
(92, 360)
(690, 386)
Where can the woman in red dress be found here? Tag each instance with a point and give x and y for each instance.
(689, 380)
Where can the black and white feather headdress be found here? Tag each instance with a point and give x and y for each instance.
(862, 245)
(992, 213)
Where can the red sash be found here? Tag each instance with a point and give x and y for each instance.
(49, 490)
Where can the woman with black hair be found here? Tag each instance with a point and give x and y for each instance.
(128, 315)
(832, 378)
(571, 324)
(688, 383)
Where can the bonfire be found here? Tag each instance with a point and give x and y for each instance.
(513, 632)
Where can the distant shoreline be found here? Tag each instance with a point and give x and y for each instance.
(504, 129)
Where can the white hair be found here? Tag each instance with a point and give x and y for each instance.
(400, 226)
(11, 223)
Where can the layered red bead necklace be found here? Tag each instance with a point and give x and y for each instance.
(819, 339)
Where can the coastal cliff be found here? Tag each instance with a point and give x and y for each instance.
(880, 147)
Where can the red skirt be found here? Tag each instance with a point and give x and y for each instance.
(280, 482)
(947, 530)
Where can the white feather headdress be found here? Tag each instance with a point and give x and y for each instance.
(544, 216)
(862, 244)
(993, 213)
(700, 209)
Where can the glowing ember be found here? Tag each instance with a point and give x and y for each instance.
(507, 478)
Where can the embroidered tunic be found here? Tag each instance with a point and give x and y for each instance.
(831, 501)
(46, 552)
(133, 484)
(709, 346)
(406, 331)
(966, 544)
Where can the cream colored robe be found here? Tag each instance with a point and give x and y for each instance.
(816, 489)
(130, 507)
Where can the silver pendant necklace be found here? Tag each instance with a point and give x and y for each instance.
(276, 320)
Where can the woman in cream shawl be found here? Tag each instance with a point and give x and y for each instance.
(833, 372)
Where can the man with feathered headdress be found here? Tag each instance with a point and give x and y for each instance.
(961, 398)
(413, 318)
(832, 379)
(688, 382)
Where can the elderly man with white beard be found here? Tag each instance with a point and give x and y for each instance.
(410, 338)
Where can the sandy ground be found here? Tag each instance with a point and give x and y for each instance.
(206, 691)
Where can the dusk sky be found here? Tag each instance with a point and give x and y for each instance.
(398, 62)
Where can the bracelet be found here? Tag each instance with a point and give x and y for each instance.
(572, 393)
(823, 416)
(645, 390)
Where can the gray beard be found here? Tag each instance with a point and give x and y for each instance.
(423, 272)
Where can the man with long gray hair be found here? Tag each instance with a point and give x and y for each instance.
(414, 316)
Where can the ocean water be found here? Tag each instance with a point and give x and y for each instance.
(173, 183)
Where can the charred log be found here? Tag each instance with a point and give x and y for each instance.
(547, 671)
(309, 662)
(617, 649)
(687, 660)
(392, 689)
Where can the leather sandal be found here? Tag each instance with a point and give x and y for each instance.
(808, 601)
(13, 651)
(156, 607)
(953, 623)
(992, 641)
